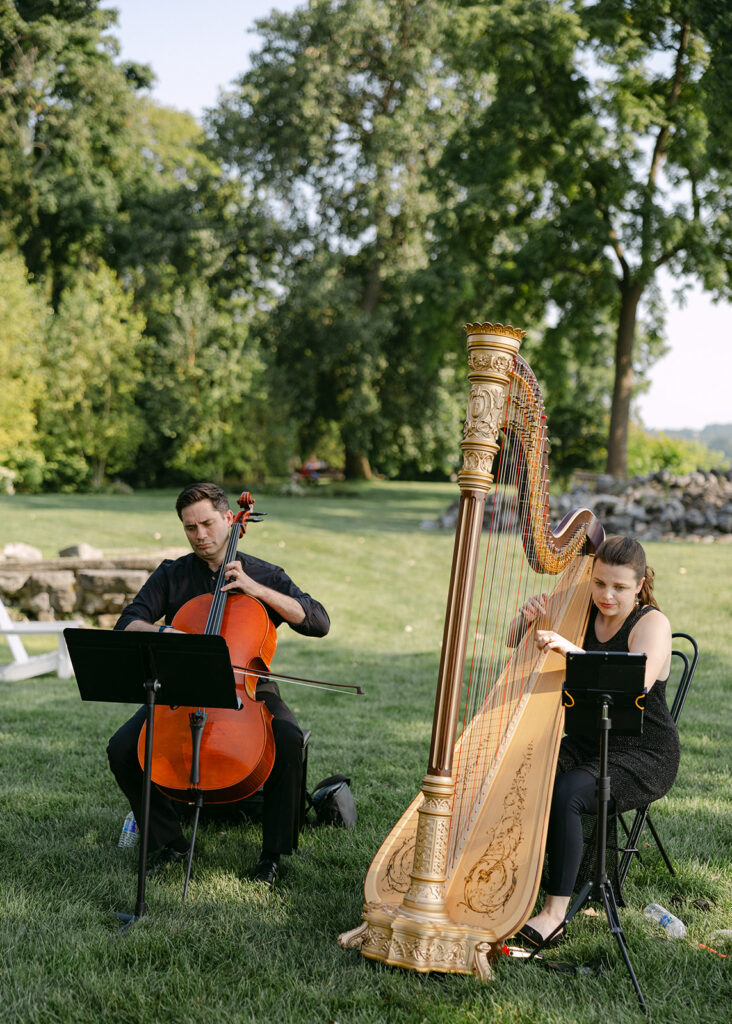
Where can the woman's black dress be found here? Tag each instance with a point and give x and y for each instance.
(641, 768)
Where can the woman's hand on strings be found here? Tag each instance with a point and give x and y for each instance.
(529, 612)
(534, 608)
(548, 640)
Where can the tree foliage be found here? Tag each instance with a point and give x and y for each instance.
(339, 123)
(64, 126)
(292, 275)
(595, 164)
(649, 453)
(23, 318)
(97, 181)
(92, 364)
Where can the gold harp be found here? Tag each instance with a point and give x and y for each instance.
(460, 870)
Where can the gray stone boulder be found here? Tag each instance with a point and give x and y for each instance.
(17, 551)
(82, 550)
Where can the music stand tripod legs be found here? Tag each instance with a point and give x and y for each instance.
(151, 688)
(178, 669)
(600, 888)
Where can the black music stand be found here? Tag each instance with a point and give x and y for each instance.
(188, 670)
(600, 683)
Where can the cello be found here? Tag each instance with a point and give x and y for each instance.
(220, 755)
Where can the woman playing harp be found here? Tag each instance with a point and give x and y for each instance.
(460, 870)
(624, 617)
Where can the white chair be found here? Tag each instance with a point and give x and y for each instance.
(24, 665)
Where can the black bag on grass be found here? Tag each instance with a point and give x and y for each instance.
(332, 802)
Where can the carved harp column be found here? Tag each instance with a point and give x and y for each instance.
(492, 349)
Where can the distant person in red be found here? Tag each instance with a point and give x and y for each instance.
(311, 467)
(203, 508)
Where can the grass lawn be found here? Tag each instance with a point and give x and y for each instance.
(236, 954)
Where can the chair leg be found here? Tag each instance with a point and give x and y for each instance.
(304, 787)
(659, 844)
(631, 843)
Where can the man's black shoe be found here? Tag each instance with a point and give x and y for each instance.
(265, 870)
(164, 859)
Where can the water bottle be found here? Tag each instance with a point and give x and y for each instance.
(673, 927)
(130, 833)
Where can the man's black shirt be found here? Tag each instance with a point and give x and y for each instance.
(175, 582)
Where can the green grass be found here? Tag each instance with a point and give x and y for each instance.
(233, 953)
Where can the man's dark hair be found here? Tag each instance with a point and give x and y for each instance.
(200, 492)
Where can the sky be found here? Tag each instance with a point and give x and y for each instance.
(197, 47)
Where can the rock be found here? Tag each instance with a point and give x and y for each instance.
(694, 518)
(448, 519)
(11, 583)
(48, 595)
(107, 591)
(724, 522)
(82, 550)
(104, 581)
(637, 511)
(107, 621)
(605, 482)
(696, 506)
(17, 551)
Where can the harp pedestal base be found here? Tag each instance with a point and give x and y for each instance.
(403, 939)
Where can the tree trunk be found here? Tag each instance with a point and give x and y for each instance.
(357, 466)
(99, 467)
(617, 444)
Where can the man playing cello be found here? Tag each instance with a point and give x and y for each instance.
(203, 508)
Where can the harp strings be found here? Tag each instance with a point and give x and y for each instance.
(494, 689)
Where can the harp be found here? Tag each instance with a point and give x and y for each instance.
(460, 870)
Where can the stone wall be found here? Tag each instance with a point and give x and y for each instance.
(94, 589)
(695, 507)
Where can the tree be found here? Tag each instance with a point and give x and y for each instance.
(651, 453)
(206, 396)
(602, 157)
(194, 247)
(65, 114)
(23, 318)
(343, 113)
(90, 425)
(96, 181)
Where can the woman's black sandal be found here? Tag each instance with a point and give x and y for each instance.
(535, 939)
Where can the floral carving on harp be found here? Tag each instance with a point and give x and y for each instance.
(459, 871)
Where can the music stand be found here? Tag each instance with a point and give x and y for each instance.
(171, 668)
(603, 690)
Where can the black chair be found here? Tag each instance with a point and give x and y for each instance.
(684, 661)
